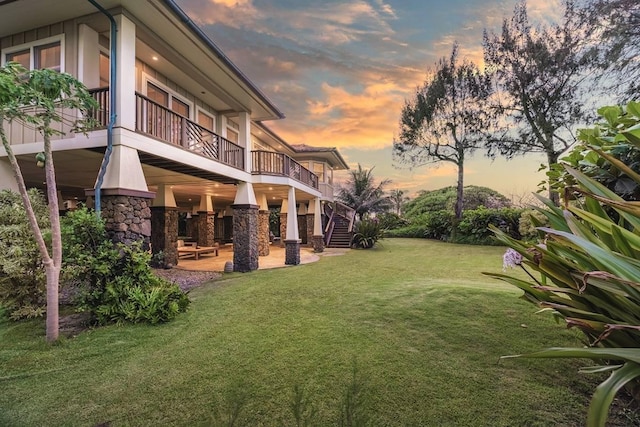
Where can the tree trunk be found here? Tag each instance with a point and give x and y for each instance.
(53, 269)
(460, 192)
(52, 322)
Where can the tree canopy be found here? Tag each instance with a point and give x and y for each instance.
(361, 192)
(541, 75)
(447, 119)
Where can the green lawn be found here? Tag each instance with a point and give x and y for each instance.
(423, 328)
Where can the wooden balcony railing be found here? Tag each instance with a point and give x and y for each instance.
(160, 122)
(272, 163)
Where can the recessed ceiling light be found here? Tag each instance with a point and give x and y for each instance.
(155, 58)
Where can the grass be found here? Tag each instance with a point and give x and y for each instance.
(409, 332)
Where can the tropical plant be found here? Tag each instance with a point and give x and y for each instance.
(589, 273)
(541, 75)
(361, 192)
(39, 98)
(448, 119)
(22, 280)
(367, 233)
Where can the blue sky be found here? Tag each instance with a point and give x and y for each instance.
(341, 71)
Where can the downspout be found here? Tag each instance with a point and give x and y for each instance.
(112, 106)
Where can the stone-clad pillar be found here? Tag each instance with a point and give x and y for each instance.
(206, 227)
(245, 229)
(318, 238)
(245, 238)
(164, 234)
(309, 229)
(206, 221)
(127, 216)
(283, 221)
(164, 227)
(263, 226)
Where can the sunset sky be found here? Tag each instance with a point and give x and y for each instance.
(341, 70)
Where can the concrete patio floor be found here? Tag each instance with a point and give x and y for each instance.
(275, 259)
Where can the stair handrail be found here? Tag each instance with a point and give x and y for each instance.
(346, 212)
(328, 231)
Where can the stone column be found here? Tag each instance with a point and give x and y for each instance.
(164, 234)
(318, 238)
(263, 233)
(206, 227)
(245, 237)
(283, 228)
(309, 230)
(127, 216)
(263, 225)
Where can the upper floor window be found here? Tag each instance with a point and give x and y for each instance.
(46, 53)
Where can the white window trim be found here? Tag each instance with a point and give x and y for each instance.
(31, 46)
(146, 78)
(206, 113)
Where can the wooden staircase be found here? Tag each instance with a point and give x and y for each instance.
(339, 230)
(341, 236)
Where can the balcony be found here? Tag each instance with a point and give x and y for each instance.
(165, 125)
(279, 164)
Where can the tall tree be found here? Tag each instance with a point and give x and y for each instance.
(361, 192)
(447, 120)
(397, 199)
(40, 98)
(541, 76)
(617, 24)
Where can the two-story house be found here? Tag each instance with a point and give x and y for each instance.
(180, 125)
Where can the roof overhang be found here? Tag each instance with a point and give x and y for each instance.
(164, 25)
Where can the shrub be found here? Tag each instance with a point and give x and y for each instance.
(474, 226)
(367, 233)
(414, 231)
(115, 283)
(588, 267)
(529, 220)
(391, 221)
(22, 277)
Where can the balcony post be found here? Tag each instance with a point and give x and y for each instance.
(317, 239)
(244, 138)
(88, 56)
(292, 240)
(126, 84)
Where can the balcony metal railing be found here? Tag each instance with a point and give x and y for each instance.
(272, 163)
(160, 122)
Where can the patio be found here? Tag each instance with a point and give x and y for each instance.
(275, 259)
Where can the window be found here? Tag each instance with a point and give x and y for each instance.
(22, 57)
(206, 121)
(46, 53)
(105, 69)
(47, 56)
(232, 136)
(162, 122)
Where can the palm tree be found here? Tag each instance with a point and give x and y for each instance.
(397, 199)
(362, 194)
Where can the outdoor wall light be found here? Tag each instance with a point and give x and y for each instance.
(40, 159)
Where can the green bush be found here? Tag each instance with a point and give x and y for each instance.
(391, 221)
(444, 199)
(367, 233)
(474, 226)
(22, 276)
(115, 283)
(413, 231)
(529, 220)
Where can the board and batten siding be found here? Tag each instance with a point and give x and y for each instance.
(16, 132)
